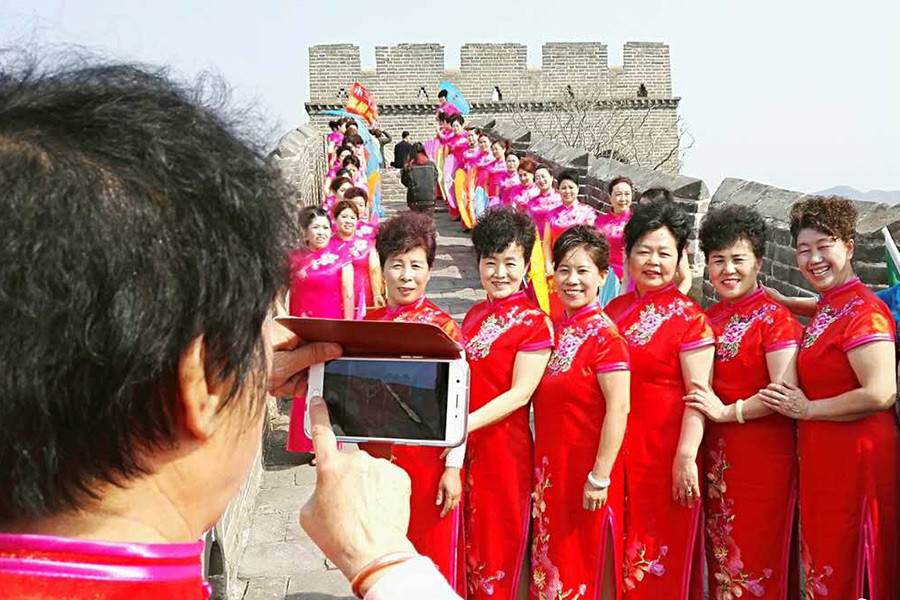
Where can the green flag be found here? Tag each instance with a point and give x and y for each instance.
(891, 258)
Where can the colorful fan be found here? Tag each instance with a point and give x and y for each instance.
(463, 199)
(538, 275)
(455, 97)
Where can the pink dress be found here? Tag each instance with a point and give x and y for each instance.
(521, 196)
(505, 187)
(315, 292)
(613, 227)
(496, 172)
(541, 206)
(336, 138)
(565, 217)
(357, 250)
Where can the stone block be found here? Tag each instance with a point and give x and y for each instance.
(278, 558)
(324, 585)
(270, 588)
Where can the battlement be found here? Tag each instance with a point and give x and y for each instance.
(411, 73)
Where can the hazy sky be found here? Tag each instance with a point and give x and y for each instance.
(799, 94)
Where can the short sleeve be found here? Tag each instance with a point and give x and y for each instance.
(868, 325)
(612, 354)
(538, 335)
(699, 333)
(784, 332)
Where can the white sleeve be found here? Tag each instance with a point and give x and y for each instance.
(415, 579)
(456, 456)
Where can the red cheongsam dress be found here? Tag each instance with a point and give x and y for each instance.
(662, 536)
(498, 457)
(435, 537)
(750, 469)
(569, 543)
(39, 567)
(849, 470)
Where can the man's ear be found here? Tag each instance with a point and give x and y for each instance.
(199, 401)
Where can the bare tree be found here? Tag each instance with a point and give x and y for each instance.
(620, 129)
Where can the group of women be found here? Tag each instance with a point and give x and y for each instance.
(672, 448)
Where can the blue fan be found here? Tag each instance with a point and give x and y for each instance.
(481, 202)
(455, 97)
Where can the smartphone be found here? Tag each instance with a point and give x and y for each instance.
(413, 401)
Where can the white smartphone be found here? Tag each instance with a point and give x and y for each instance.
(412, 401)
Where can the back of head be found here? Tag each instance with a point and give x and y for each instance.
(134, 220)
(404, 135)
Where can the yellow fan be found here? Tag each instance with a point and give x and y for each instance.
(538, 275)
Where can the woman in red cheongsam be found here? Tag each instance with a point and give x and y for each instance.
(849, 440)
(508, 342)
(671, 347)
(750, 451)
(406, 245)
(583, 399)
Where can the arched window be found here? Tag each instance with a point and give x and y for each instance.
(342, 93)
(423, 93)
(642, 91)
(570, 93)
(497, 95)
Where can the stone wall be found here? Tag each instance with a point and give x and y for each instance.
(574, 78)
(300, 155)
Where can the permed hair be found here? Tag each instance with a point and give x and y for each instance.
(350, 160)
(832, 215)
(456, 118)
(619, 180)
(500, 227)
(337, 182)
(655, 194)
(344, 205)
(583, 236)
(404, 233)
(136, 217)
(528, 165)
(308, 214)
(356, 192)
(651, 216)
(723, 227)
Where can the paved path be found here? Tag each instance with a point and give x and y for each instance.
(280, 562)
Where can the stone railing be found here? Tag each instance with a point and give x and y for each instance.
(779, 267)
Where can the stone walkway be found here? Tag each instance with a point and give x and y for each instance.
(280, 562)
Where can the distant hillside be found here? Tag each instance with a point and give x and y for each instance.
(883, 196)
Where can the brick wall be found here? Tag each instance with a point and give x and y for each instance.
(300, 155)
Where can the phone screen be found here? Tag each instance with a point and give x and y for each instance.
(387, 398)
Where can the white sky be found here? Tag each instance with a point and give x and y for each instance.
(795, 93)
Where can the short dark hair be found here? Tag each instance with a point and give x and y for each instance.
(356, 192)
(343, 148)
(353, 138)
(583, 236)
(723, 227)
(337, 182)
(351, 160)
(500, 227)
(831, 215)
(404, 135)
(544, 167)
(456, 118)
(334, 125)
(344, 205)
(651, 216)
(442, 94)
(308, 214)
(616, 181)
(568, 176)
(654, 194)
(135, 219)
(404, 233)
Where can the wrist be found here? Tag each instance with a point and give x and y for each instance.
(352, 560)
(686, 455)
(598, 483)
(377, 568)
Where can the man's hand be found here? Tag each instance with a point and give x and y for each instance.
(291, 359)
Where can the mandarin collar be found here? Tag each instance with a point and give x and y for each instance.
(402, 308)
(748, 299)
(831, 295)
(654, 294)
(514, 297)
(584, 310)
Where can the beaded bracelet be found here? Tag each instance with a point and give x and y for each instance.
(383, 562)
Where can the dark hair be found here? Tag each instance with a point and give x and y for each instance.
(456, 118)
(583, 236)
(482, 134)
(345, 173)
(726, 226)
(500, 227)
(654, 194)
(334, 125)
(511, 152)
(528, 164)
(350, 160)
(502, 143)
(356, 192)
(443, 117)
(342, 206)
(337, 182)
(308, 214)
(405, 233)
(651, 216)
(354, 138)
(404, 135)
(344, 148)
(136, 218)
(545, 167)
(831, 215)
(568, 176)
(442, 94)
(619, 180)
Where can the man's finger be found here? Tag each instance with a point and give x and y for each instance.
(280, 337)
(324, 442)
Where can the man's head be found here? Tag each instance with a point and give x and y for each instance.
(404, 135)
(143, 244)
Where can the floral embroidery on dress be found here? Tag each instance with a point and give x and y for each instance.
(637, 564)
(327, 258)
(570, 341)
(815, 584)
(545, 582)
(823, 320)
(651, 319)
(476, 580)
(728, 343)
(479, 346)
(731, 580)
(576, 214)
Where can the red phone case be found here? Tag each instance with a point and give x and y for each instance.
(377, 339)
